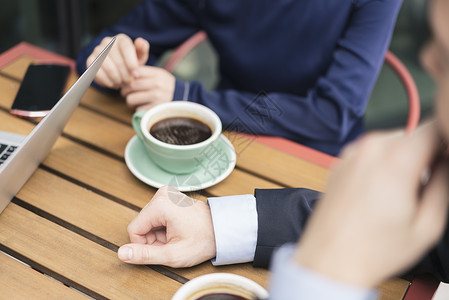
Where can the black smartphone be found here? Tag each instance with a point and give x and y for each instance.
(40, 90)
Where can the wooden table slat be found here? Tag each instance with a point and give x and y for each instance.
(78, 206)
(394, 289)
(63, 253)
(19, 281)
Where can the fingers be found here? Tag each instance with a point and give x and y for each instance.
(433, 207)
(142, 50)
(152, 217)
(150, 86)
(138, 99)
(121, 60)
(129, 56)
(371, 143)
(421, 149)
(139, 84)
(128, 53)
(150, 224)
(149, 254)
(97, 50)
(149, 72)
(430, 57)
(110, 73)
(102, 77)
(157, 236)
(124, 57)
(121, 69)
(175, 255)
(103, 80)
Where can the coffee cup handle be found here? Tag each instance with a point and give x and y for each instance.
(137, 118)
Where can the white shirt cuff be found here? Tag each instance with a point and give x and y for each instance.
(292, 281)
(235, 226)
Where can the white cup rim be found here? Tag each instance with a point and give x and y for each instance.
(180, 104)
(197, 283)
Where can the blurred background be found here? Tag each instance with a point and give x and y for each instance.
(64, 26)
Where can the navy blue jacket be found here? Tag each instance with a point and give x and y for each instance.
(299, 69)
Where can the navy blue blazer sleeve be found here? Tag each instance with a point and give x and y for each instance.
(282, 215)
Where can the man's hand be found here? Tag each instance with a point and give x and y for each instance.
(125, 56)
(172, 230)
(376, 218)
(150, 86)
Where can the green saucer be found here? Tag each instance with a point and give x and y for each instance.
(218, 163)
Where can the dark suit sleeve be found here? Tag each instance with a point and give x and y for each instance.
(282, 215)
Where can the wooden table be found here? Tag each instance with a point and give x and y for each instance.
(69, 219)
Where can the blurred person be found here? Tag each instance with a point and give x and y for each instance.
(377, 220)
(302, 70)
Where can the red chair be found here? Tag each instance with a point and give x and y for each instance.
(410, 87)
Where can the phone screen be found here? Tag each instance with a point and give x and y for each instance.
(40, 90)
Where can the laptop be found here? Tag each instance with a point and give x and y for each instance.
(21, 155)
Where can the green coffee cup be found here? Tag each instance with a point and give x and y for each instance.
(176, 159)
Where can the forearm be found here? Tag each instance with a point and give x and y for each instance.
(291, 116)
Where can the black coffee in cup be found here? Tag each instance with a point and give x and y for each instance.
(180, 131)
(221, 296)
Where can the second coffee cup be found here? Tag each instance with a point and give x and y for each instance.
(176, 134)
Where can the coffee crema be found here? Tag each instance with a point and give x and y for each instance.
(180, 131)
